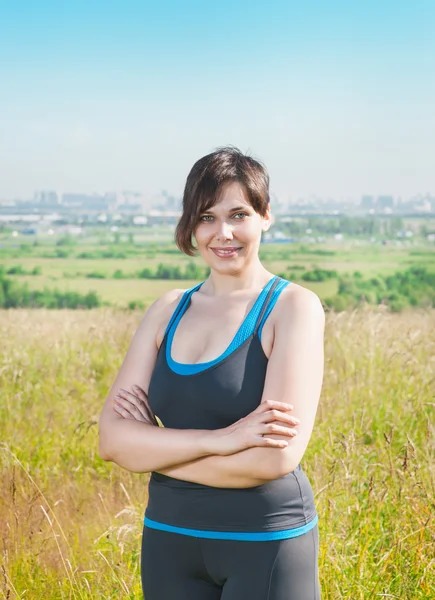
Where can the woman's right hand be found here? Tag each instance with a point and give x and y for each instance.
(252, 430)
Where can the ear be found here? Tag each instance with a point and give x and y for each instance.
(267, 219)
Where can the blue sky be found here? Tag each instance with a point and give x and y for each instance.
(335, 97)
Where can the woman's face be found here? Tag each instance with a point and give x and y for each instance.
(229, 233)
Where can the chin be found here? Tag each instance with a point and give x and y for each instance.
(229, 269)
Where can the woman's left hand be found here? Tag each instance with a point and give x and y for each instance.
(134, 405)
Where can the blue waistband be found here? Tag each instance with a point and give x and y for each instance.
(247, 536)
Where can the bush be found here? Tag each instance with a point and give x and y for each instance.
(135, 304)
(16, 295)
(193, 271)
(173, 272)
(16, 270)
(397, 303)
(319, 275)
(413, 287)
(340, 302)
(145, 274)
(66, 240)
(62, 253)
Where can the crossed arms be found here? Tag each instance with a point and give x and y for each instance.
(294, 376)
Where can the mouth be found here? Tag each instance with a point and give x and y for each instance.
(228, 252)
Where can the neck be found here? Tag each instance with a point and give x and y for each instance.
(223, 284)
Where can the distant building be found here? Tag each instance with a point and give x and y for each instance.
(367, 202)
(46, 197)
(89, 202)
(71, 229)
(140, 220)
(163, 216)
(384, 202)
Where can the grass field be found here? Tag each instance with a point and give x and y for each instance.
(70, 273)
(70, 524)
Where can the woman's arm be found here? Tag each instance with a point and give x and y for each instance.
(294, 375)
(140, 446)
(242, 470)
(137, 446)
(255, 430)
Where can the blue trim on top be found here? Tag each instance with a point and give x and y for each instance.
(181, 304)
(247, 536)
(245, 330)
(275, 295)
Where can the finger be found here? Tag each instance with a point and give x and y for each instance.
(141, 393)
(138, 410)
(278, 429)
(270, 443)
(138, 398)
(135, 402)
(122, 412)
(131, 408)
(274, 404)
(127, 412)
(277, 415)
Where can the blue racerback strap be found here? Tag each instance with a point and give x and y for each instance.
(265, 304)
(270, 303)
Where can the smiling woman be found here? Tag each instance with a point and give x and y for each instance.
(205, 183)
(223, 366)
(231, 228)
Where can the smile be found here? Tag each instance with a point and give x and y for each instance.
(225, 253)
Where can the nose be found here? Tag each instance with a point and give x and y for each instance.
(224, 231)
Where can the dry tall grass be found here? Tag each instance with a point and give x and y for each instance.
(70, 524)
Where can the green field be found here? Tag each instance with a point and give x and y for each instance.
(290, 259)
(70, 524)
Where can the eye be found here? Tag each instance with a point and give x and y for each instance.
(205, 217)
(241, 213)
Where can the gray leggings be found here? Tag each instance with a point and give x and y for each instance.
(181, 567)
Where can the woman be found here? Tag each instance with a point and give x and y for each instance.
(233, 369)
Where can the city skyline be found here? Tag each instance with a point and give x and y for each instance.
(336, 100)
(53, 198)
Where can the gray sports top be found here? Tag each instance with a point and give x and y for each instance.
(213, 395)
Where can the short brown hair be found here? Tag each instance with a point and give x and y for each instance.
(205, 181)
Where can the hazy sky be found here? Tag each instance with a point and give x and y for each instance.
(336, 97)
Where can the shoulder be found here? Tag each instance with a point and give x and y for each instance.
(165, 301)
(163, 305)
(298, 304)
(160, 311)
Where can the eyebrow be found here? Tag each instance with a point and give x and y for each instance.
(236, 208)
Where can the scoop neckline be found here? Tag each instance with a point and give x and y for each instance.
(212, 362)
